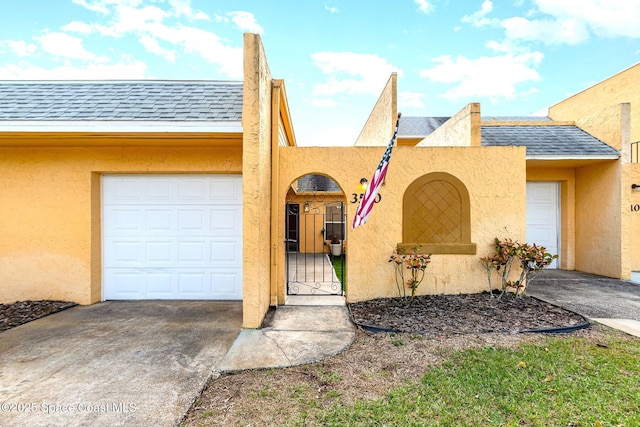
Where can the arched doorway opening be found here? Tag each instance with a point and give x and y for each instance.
(315, 237)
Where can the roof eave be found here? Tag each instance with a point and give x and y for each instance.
(138, 126)
(573, 157)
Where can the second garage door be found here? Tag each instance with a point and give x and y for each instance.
(543, 211)
(172, 236)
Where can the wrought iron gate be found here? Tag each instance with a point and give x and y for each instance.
(314, 265)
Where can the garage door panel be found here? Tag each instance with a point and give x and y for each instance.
(543, 216)
(165, 237)
(192, 252)
(226, 253)
(158, 252)
(226, 222)
(127, 284)
(192, 284)
(226, 191)
(193, 221)
(190, 190)
(228, 284)
(159, 285)
(118, 252)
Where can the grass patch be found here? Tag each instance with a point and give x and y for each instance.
(339, 265)
(564, 382)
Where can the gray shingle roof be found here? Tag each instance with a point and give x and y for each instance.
(515, 119)
(196, 101)
(419, 126)
(564, 141)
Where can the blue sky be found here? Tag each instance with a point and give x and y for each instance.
(515, 57)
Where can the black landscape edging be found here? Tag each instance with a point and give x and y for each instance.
(555, 330)
(560, 330)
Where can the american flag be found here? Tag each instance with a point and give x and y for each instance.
(366, 204)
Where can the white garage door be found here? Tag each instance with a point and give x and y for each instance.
(172, 236)
(543, 211)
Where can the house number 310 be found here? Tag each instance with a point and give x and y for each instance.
(355, 197)
(635, 208)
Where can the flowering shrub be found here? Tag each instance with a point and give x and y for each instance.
(415, 263)
(501, 261)
(531, 258)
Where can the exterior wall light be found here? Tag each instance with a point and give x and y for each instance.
(306, 207)
(363, 183)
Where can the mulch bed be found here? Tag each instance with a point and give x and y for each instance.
(446, 315)
(18, 313)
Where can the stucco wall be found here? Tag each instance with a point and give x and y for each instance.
(567, 180)
(497, 199)
(256, 167)
(382, 120)
(620, 88)
(598, 219)
(463, 129)
(50, 210)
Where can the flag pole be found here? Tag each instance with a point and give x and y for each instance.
(370, 194)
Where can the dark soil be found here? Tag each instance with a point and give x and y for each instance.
(18, 313)
(446, 315)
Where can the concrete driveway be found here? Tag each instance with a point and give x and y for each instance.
(613, 302)
(139, 363)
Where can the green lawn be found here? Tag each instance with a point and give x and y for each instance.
(564, 382)
(339, 265)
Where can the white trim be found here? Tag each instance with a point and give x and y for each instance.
(120, 126)
(574, 157)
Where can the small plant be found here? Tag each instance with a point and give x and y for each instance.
(531, 259)
(335, 240)
(416, 264)
(501, 261)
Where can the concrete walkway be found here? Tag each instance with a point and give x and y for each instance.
(297, 335)
(612, 302)
(134, 363)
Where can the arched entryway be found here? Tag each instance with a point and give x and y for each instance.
(315, 237)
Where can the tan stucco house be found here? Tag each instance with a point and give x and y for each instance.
(197, 190)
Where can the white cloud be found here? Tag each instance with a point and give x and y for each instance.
(154, 28)
(79, 27)
(352, 73)
(410, 100)
(94, 6)
(424, 6)
(331, 9)
(605, 18)
(246, 22)
(491, 77)
(126, 69)
(479, 18)
(206, 45)
(21, 48)
(564, 31)
(153, 46)
(62, 45)
(563, 22)
(575, 21)
(183, 8)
